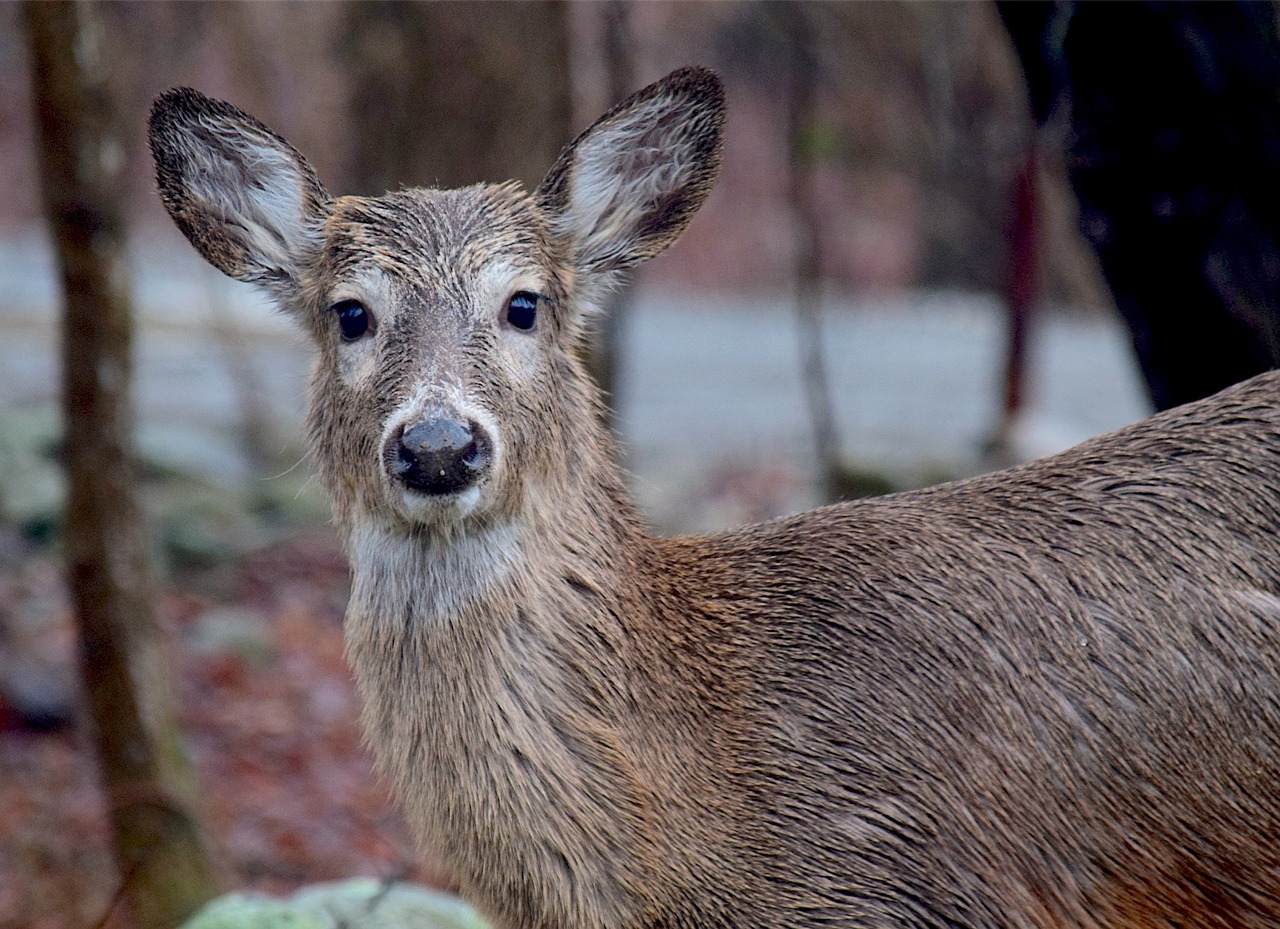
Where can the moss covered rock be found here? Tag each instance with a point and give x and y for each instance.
(361, 903)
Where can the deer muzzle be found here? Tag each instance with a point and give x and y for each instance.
(438, 455)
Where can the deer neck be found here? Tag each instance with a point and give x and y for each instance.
(478, 656)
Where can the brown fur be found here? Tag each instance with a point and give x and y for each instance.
(1040, 698)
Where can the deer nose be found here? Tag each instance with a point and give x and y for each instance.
(440, 456)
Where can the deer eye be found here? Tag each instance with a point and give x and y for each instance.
(353, 319)
(522, 310)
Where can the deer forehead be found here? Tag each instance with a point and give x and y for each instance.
(444, 242)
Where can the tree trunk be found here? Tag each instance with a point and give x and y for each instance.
(605, 347)
(1020, 288)
(802, 123)
(164, 869)
(1174, 160)
(436, 101)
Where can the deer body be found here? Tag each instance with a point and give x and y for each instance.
(1041, 698)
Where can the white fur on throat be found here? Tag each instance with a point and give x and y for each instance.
(431, 576)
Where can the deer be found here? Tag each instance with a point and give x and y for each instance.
(1038, 698)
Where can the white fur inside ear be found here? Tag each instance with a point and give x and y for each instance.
(620, 171)
(257, 187)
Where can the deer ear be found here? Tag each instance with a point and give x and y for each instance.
(628, 186)
(247, 200)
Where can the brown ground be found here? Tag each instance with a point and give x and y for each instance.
(271, 717)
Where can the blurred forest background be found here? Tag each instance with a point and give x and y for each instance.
(889, 286)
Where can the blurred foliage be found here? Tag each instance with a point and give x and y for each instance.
(195, 520)
(921, 115)
(435, 101)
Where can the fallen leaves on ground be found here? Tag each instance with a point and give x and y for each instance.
(288, 796)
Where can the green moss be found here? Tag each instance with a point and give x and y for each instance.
(238, 911)
(360, 903)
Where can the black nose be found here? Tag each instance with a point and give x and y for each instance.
(440, 456)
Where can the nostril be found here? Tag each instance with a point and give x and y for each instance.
(405, 458)
(473, 457)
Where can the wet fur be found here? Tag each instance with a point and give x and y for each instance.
(1044, 697)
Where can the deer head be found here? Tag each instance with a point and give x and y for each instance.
(447, 389)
